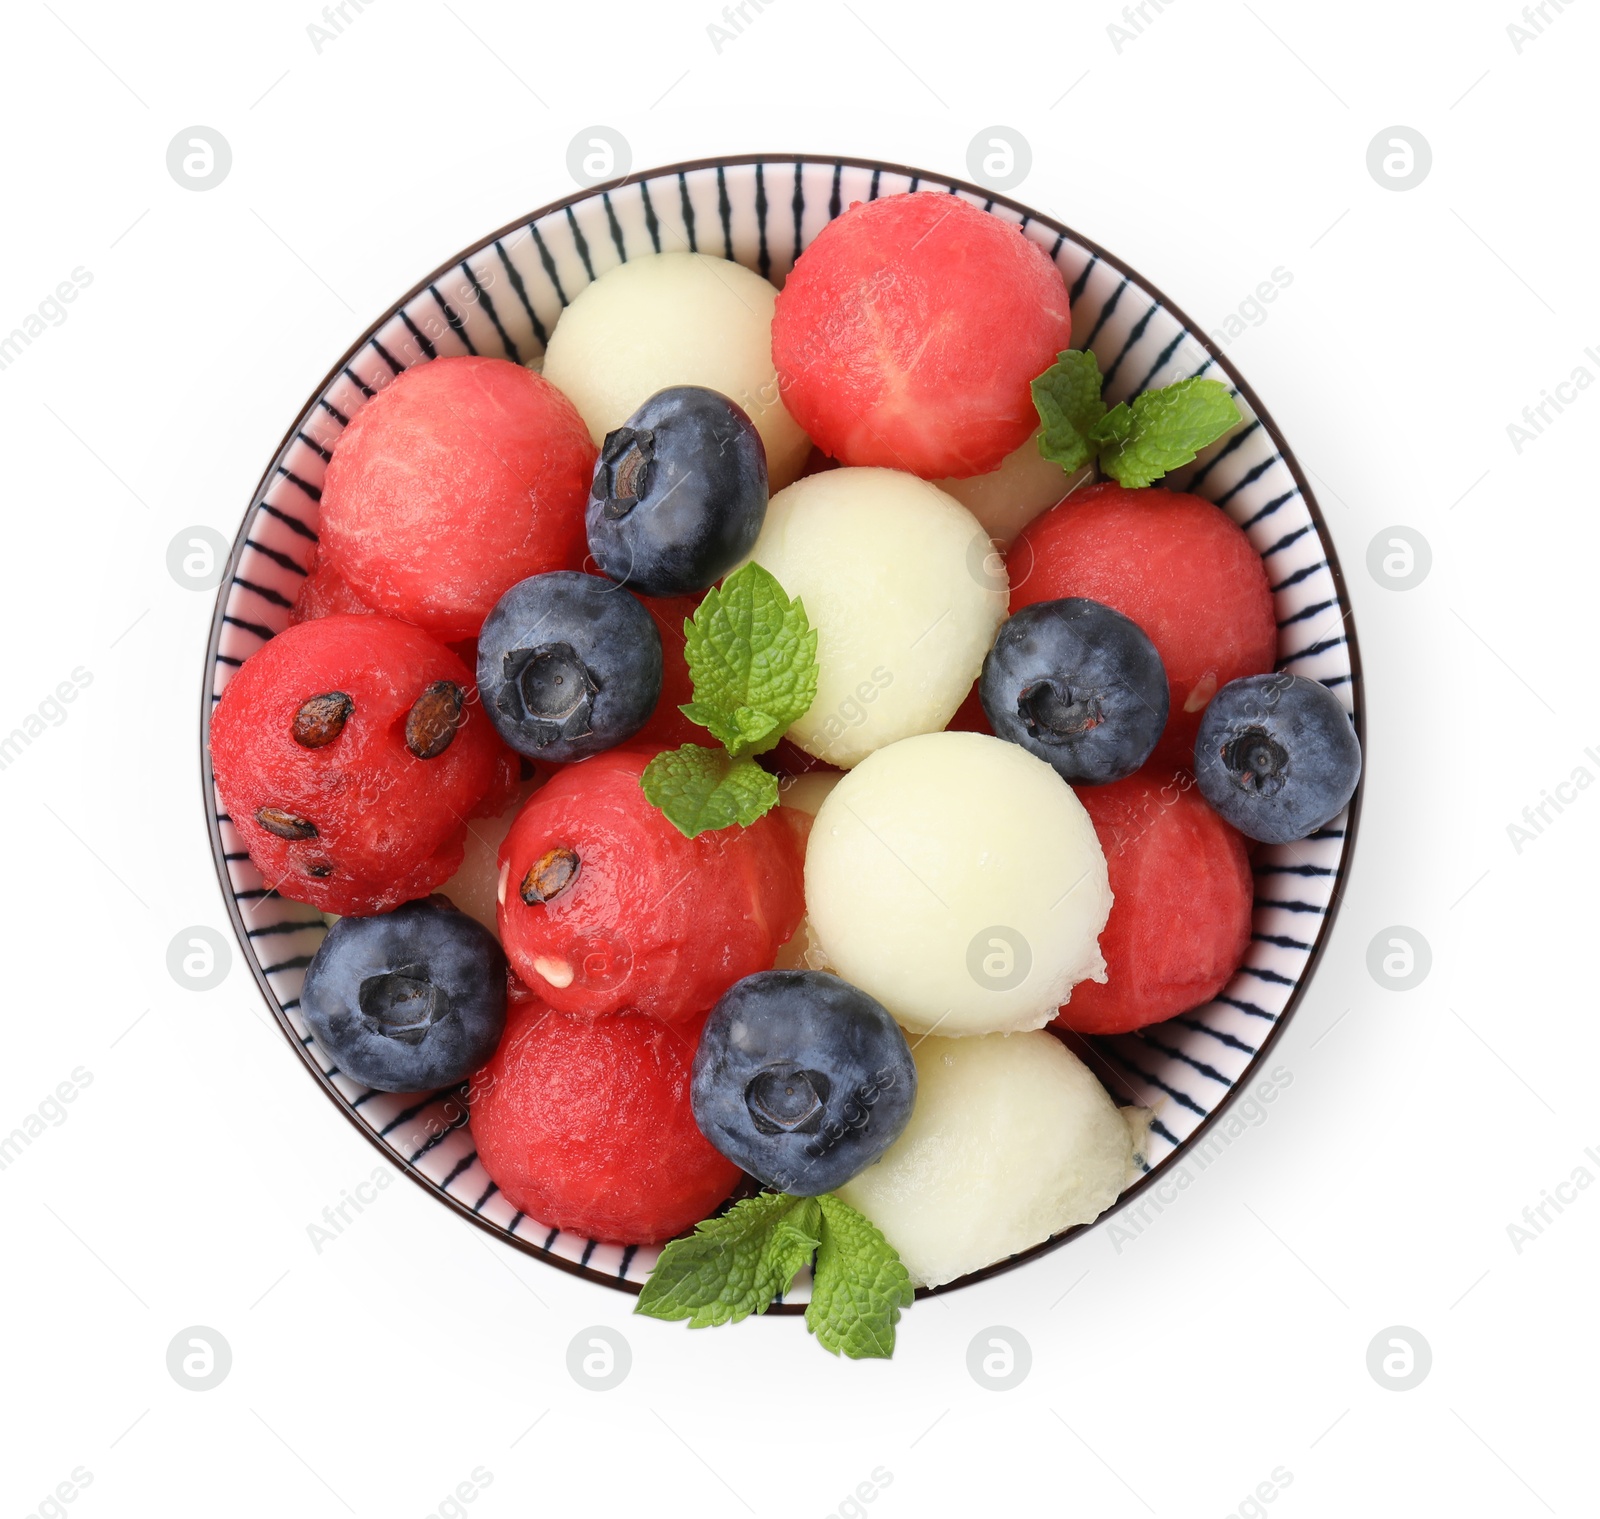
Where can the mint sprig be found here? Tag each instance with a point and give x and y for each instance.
(701, 789)
(753, 658)
(1135, 442)
(736, 1265)
(860, 1285)
(733, 1266)
(752, 655)
(1067, 398)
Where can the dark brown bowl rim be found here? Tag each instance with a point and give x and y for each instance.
(1153, 1177)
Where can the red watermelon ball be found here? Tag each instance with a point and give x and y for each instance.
(909, 332)
(324, 592)
(605, 905)
(1179, 567)
(1182, 896)
(464, 477)
(668, 728)
(585, 1125)
(315, 749)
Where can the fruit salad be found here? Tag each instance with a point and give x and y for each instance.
(744, 757)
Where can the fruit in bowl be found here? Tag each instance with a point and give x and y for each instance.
(788, 943)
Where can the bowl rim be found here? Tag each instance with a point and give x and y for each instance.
(1157, 1174)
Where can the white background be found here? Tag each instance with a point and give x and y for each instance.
(1231, 1337)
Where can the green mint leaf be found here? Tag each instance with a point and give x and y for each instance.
(1165, 429)
(743, 731)
(1113, 427)
(701, 789)
(860, 1285)
(733, 1266)
(1067, 398)
(753, 656)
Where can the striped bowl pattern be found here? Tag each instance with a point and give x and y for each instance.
(501, 298)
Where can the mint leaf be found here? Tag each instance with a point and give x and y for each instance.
(743, 731)
(753, 656)
(1113, 427)
(733, 1266)
(1136, 443)
(860, 1285)
(701, 789)
(1067, 398)
(1164, 429)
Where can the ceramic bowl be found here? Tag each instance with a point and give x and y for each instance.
(501, 297)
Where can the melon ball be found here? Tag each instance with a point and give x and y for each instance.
(675, 319)
(807, 793)
(802, 952)
(1007, 499)
(1012, 1141)
(476, 887)
(958, 879)
(906, 596)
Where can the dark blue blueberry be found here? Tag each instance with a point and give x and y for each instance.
(679, 493)
(1079, 685)
(409, 1001)
(1276, 756)
(568, 665)
(801, 1079)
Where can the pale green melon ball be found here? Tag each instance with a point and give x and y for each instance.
(959, 881)
(807, 793)
(1007, 499)
(905, 593)
(675, 319)
(1011, 1141)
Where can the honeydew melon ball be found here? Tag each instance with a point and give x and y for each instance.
(1011, 1141)
(906, 595)
(958, 879)
(477, 887)
(807, 793)
(1025, 485)
(675, 319)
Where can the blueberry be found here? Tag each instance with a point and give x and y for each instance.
(568, 665)
(802, 1079)
(409, 1001)
(1079, 685)
(1277, 756)
(679, 493)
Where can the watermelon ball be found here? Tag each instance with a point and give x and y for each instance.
(1181, 901)
(910, 331)
(349, 753)
(667, 727)
(465, 476)
(324, 592)
(1179, 567)
(605, 905)
(585, 1125)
